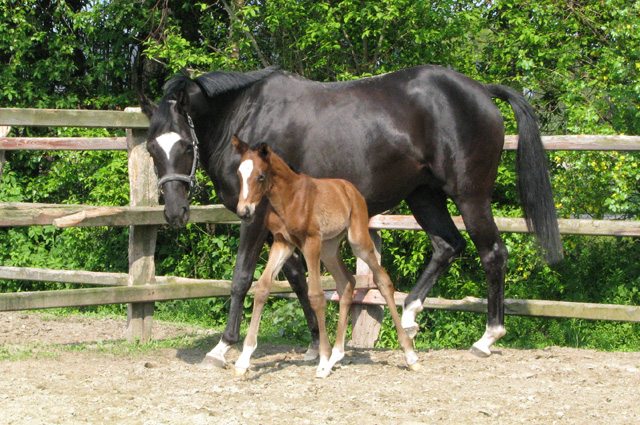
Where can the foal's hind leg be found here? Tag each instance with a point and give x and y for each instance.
(297, 277)
(363, 248)
(345, 284)
(280, 252)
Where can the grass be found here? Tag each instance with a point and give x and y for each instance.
(38, 350)
(42, 350)
(283, 323)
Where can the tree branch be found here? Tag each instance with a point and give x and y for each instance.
(254, 43)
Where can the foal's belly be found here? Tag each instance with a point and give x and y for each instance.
(332, 213)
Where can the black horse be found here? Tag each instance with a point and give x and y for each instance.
(421, 135)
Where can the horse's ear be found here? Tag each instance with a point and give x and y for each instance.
(264, 151)
(148, 107)
(183, 101)
(240, 146)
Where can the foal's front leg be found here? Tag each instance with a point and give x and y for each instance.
(252, 237)
(280, 252)
(311, 251)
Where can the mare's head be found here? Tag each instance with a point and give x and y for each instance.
(172, 139)
(254, 174)
(173, 145)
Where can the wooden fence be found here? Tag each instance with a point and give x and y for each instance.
(140, 288)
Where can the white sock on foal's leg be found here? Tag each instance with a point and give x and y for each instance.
(324, 368)
(336, 355)
(244, 361)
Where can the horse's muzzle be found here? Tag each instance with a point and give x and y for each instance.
(177, 218)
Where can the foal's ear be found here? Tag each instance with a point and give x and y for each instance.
(264, 151)
(240, 146)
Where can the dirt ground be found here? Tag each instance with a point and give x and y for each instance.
(71, 379)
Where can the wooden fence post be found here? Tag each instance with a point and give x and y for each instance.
(367, 319)
(4, 130)
(142, 239)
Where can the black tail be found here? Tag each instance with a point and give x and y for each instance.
(533, 183)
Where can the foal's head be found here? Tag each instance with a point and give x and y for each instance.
(254, 176)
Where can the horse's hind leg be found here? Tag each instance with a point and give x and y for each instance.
(280, 252)
(345, 284)
(478, 220)
(363, 248)
(429, 207)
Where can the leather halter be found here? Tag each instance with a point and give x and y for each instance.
(191, 178)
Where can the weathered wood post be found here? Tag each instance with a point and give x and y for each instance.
(4, 130)
(142, 239)
(367, 319)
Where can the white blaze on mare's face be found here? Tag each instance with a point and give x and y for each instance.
(166, 142)
(245, 171)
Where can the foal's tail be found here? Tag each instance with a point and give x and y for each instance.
(533, 183)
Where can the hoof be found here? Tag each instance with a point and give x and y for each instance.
(311, 354)
(415, 367)
(412, 331)
(478, 352)
(210, 362)
(323, 374)
(240, 371)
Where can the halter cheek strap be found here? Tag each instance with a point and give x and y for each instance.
(191, 178)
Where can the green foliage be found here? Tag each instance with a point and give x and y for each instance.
(579, 63)
(608, 182)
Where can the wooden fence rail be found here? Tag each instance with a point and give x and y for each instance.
(551, 143)
(140, 288)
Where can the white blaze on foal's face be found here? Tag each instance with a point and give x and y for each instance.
(167, 141)
(245, 170)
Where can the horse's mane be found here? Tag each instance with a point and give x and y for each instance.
(218, 82)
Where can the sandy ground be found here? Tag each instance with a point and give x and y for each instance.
(70, 378)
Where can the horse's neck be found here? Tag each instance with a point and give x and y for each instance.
(283, 185)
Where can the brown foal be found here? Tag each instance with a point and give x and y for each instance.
(312, 215)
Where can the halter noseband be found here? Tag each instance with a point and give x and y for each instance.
(191, 178)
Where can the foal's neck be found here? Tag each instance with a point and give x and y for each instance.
(283, 186)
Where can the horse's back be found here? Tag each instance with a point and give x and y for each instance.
(387, 134)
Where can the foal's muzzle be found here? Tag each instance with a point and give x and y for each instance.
(246, 211)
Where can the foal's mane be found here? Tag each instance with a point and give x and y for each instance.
(216, 82)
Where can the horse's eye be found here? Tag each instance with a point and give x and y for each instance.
(260, 178)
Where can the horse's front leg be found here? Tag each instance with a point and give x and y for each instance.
(252, 237)
(280, 252)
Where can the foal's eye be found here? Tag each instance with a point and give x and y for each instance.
(260, 178)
